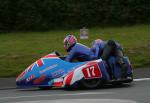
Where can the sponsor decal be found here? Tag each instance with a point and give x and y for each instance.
(48, 68)
(57, 73)
(92, 71)
(39, 80)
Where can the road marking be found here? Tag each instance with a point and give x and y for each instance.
(81, 101)
(68, 94)
(141, 79)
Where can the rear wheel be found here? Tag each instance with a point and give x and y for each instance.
(91, 83)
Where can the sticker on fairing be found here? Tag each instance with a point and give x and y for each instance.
(92, 71)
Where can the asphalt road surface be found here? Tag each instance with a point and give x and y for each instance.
(137, 92)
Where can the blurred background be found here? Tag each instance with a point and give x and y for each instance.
(30, 29)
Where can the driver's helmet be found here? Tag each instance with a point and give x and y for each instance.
(69, 41)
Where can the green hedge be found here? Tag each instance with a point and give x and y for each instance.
(33, 15)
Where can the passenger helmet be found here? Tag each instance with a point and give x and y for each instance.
(97, 41)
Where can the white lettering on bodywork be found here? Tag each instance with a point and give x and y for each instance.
(48, 68)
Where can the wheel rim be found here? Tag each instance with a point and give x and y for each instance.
(91, 83)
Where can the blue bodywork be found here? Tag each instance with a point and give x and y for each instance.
(45, 70)
(52, 68)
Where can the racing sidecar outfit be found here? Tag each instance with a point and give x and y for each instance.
(79, 51)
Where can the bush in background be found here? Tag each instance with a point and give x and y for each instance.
(41, 15)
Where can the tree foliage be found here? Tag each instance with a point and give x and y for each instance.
(33, 15)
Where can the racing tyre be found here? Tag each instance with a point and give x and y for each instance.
(91, 83)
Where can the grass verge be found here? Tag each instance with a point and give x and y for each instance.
(19, 50)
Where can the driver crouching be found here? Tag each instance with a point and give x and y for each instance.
(76, 51)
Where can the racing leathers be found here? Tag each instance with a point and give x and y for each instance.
(105, 49)
(80, 52)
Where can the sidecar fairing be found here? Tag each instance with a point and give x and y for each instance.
(52, 71)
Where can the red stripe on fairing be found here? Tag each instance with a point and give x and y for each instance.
(21, 75)
(58, 84)
(39, 80)
(50, 56)
(30, 67)
(69, 78)
(40, 62)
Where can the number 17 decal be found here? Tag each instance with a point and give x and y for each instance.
(92, 72)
